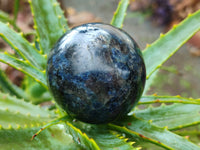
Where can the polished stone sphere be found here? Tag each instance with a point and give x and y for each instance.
(96, 73)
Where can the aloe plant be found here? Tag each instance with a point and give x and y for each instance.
(24, 124)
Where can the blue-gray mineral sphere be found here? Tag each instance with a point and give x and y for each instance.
(96, 73)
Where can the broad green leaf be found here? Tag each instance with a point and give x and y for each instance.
(81, 138)
(8, 87)
(174, 116)
(191, 132)
(120, 14)
(18, 113)
(163, 48)
(53, 138)
(50, 22)
(22, 46)
(108, 139)
(82, 133)
(25, 67)
(167, 99)
(16, 120)
(159, 136)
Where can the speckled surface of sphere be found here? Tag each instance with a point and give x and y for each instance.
(96, 73)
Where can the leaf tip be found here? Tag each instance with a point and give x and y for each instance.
(132, 143)
(45, 56)
(33, 44)
(161, 35)
(33, 136)
(21, 33)
(189, 14)
(175, 26)
(166, 127)
(155, 94)
(147, 45)
(187, 137)
(8, 24)
(44, 71)
(150, 121)
(35, 27)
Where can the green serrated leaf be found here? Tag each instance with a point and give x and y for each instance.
(81, 138)
(107, 139)
(25, 67)
(168, 99)
(174, 116)
(163, 48)
(159, 136)
(52, 138)
(50, 22)
(22, 46)
(8, 87)
(82, 134)
(120, 14)
(15, 113)
(16, 120)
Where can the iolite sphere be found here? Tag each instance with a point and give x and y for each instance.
(96, 73)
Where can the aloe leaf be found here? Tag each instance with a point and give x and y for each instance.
(18, 113)
(52, 138)
(108, 139)
(25, 67)
(120, 14)
(159, 136)
(22, 46)
(105, 138)
(50, 22)
(167, 99)
(8, 87)
(163, 48)
(173, 117)
(81, 138)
